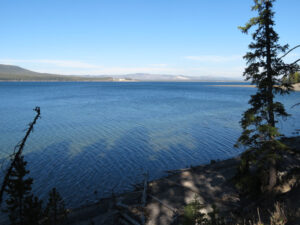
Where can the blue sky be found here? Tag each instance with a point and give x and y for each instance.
(188, 37)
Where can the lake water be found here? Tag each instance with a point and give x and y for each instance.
(103, 136)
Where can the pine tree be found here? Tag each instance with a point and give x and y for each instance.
(33, 210)
(18, 189)
(267, 71)
(55, 209)
(23, 208)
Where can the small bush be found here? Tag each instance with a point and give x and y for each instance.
(278, 217)
(194, 216)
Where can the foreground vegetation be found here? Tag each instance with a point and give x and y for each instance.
(193, 215)
(22, 206)
(258, 171)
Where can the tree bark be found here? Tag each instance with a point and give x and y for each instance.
(272, 175)
(271, 120)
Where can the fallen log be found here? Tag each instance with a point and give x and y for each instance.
(122, 205)
(124, 222)
(164, 204)
(143, 219)
(144, 196)
(129, 218)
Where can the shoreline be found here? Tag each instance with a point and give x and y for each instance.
(125, 81)
(233, 85)
(296, 87)
(167, 196)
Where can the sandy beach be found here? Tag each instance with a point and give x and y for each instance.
(234, 85)
(296, 87)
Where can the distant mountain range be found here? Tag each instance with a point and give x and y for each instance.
(166, 77)
(16, 73)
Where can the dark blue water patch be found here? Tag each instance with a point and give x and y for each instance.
(103, 136)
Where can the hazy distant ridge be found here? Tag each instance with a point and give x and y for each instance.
(166, 77)
(16, 73)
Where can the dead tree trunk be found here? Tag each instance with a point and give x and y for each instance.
(18, 153)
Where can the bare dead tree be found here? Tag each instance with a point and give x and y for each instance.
(18, 151)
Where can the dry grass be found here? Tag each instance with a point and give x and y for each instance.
(278, 217)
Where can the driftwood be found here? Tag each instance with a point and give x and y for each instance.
(175, 219)
(123, 208)
(144, 199)
(124, 222)
(164, 204)
(143, 219)
(16, 155)
(122, 205)
(42, 221)
(137, 186)
(129, 218)
(144, 196)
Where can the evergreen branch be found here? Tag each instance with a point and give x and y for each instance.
(289, 51)
(290, 65)
(19, 152)
(253, 21)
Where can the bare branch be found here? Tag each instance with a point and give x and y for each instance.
(19, 152)
(295, 62)
(289, 51)
(295, 105)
